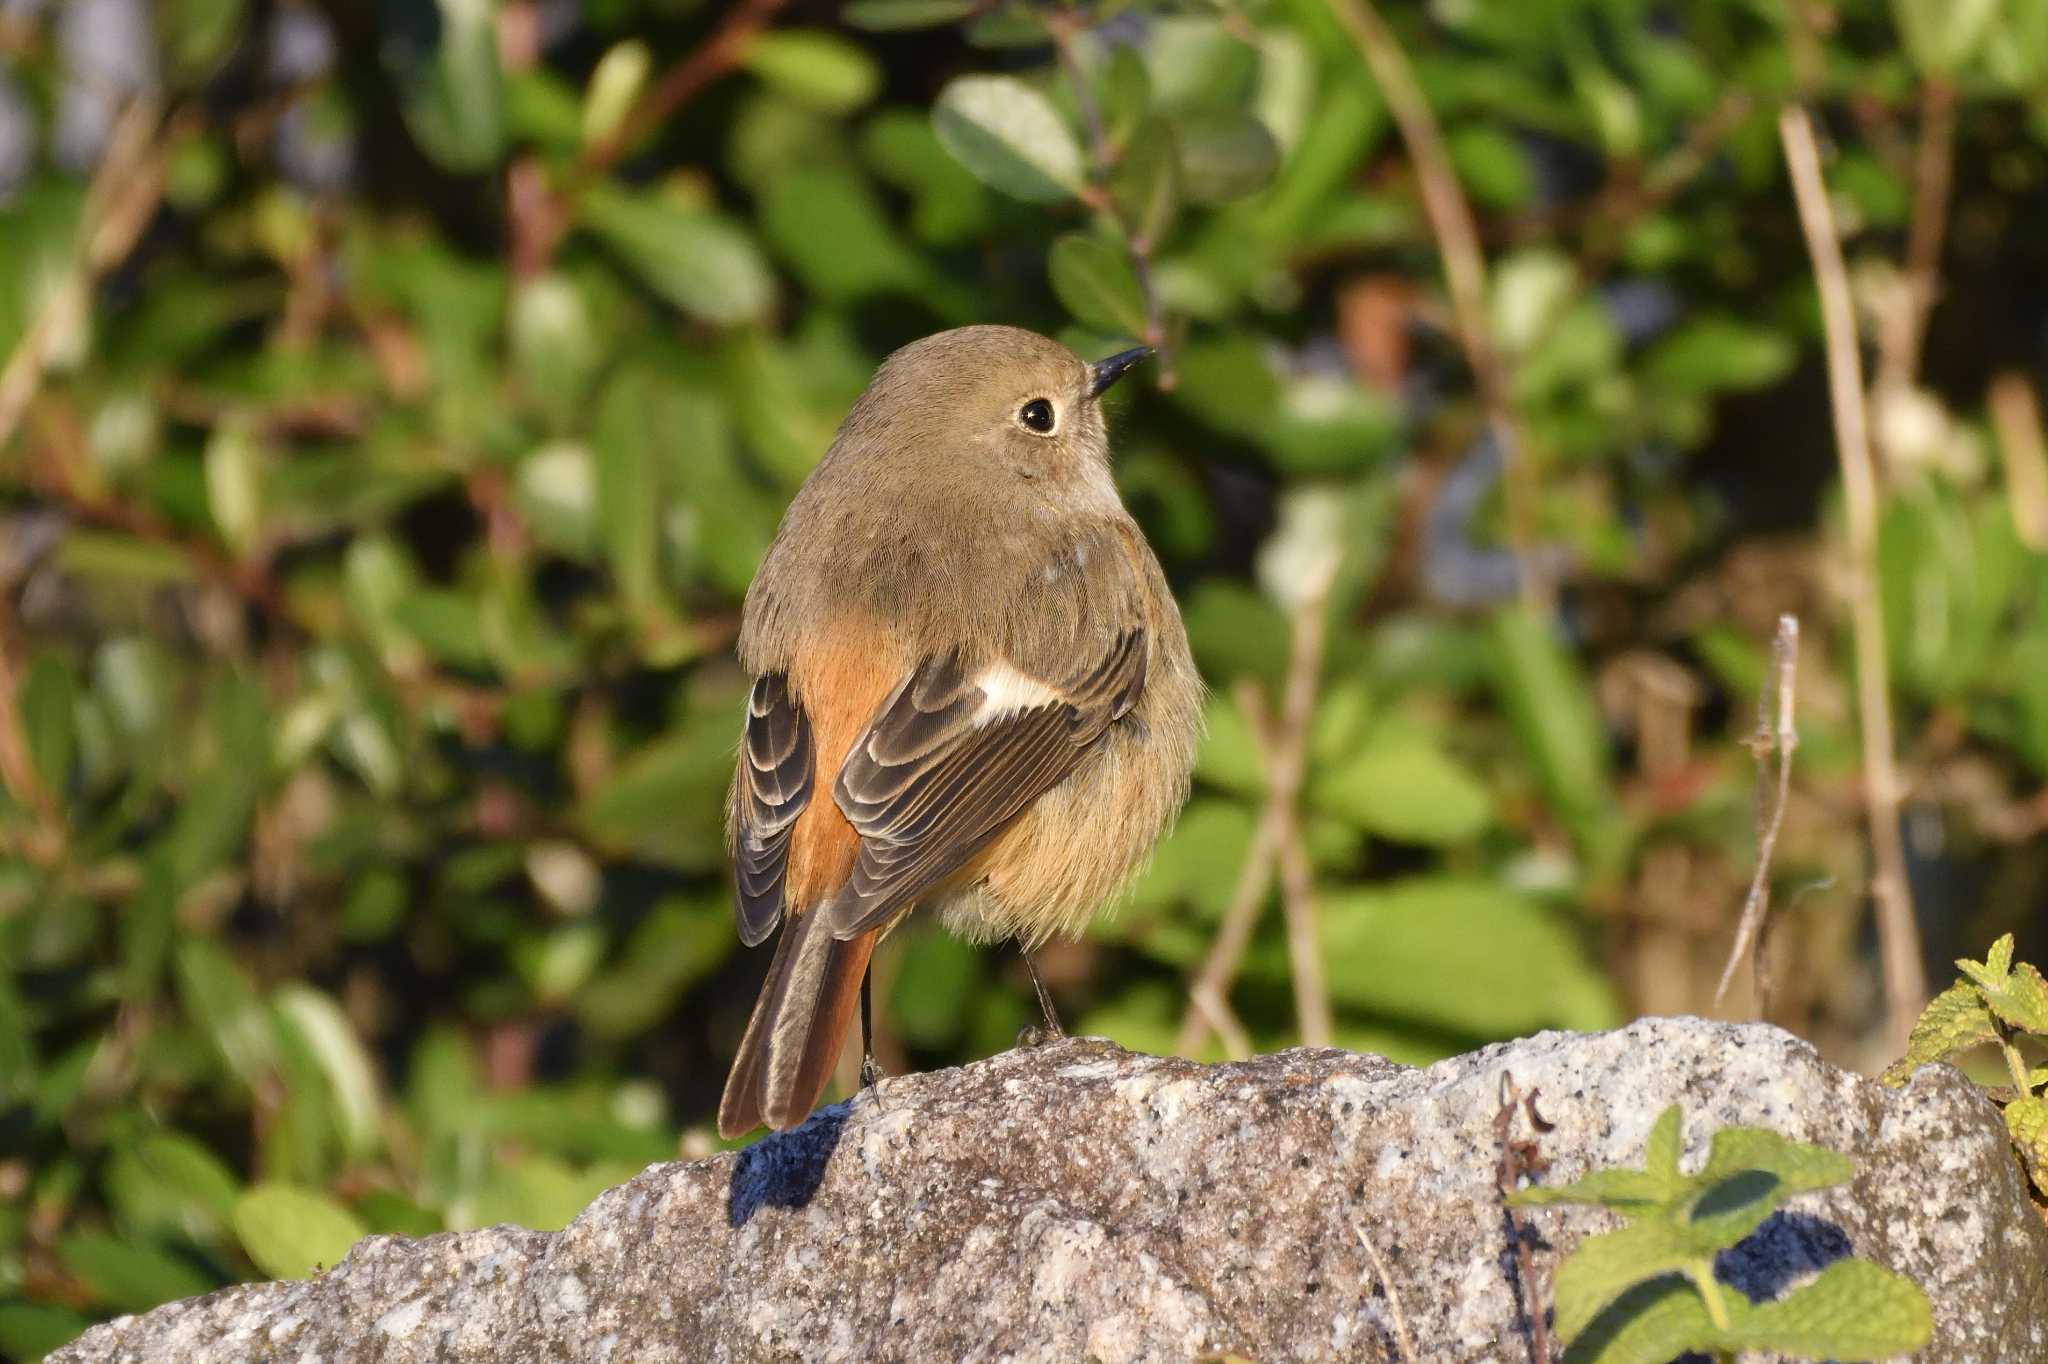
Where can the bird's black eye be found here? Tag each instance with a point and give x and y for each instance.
(1037, 416)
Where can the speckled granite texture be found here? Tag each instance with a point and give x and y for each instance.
(1078, 1202)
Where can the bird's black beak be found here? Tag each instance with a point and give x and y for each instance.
(1103, 373)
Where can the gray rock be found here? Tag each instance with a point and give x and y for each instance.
(1079, 1202)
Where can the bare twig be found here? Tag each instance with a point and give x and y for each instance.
(1404, 1343)
(1905, 982)
(1297, 712)
(716, 56)
(2016, 417)
(1781, 738)
(121, 200)
(1902, 331)
(1521, 1157)
(44, 843)
(1457, 238)
(1065, 27)
(1277, 841)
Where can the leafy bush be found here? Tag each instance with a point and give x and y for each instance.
(1648, 1292)
(1994, 1003)
(397, 399)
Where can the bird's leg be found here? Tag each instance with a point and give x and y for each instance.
(1030, 1036)
(869, 1071)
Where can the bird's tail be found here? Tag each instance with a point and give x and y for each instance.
(798, 1026)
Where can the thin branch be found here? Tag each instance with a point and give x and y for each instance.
(120, 202)
(1211, 987)
(2023, 451)
(1905, 981)
(44, 843)
(1065, 28)
(1781, 739)
(716, 56)
(1297, 712)
(1457, 237)
(1902, 332)
(1521, 1157)
(1404, 1343)
(1277, 841)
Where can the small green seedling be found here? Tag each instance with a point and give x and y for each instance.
(1995, 1002)
(1647, 1292)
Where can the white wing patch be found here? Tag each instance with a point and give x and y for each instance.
(1006, 691)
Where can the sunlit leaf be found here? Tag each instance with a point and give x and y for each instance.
(1010, 135)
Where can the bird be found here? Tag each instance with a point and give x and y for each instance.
(971, 691)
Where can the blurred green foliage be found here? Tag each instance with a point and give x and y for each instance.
(398, 399)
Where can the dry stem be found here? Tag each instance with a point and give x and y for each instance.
(1520, 1157)
(1781, 738)
(119, 203)
(2023, 451)
(1903, 330)
(714, 57)
(1905, 982)
(1404, 1343)
(1457, 238)
(1276, 842)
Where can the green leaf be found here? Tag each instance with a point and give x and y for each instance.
(814, 67)
(1943, 35)
(884, 16)
(213, 818)
(614, 85)
(444, 59)
(1606, 1266)
(1010, 136)
(234, 484)
(1626, 1191)
(168, 1182)
(1548, 698)
(1225, 155)
(128, 1277)
(936, 980)
(2016, 993)
(344, 1062)
(628, 496)
(220, 998)
(30, 1330)
(197, 34)
(1462, 953)
(1402, 786)
(1492, 165)
(1852, 1310)
(703, 263)
(538, 1191)
(1799, 1167)
(49, 715)
(294, 1233)
(1718, 352)
(677, 945)
(1146, 184)
(2027, 1120)
(448, 625)
(1954, 1020)
(1094, 281)
(830, 226)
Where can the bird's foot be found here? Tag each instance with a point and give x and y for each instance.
(870, 1073)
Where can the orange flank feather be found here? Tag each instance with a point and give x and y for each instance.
(799, 1023)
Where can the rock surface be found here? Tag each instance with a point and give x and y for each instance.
(1079, 1202)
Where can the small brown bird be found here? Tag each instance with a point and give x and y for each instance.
(972, 690)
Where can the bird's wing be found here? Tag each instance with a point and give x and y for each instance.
(771, 789)
(953, 756)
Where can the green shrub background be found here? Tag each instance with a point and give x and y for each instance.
(393, 419)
